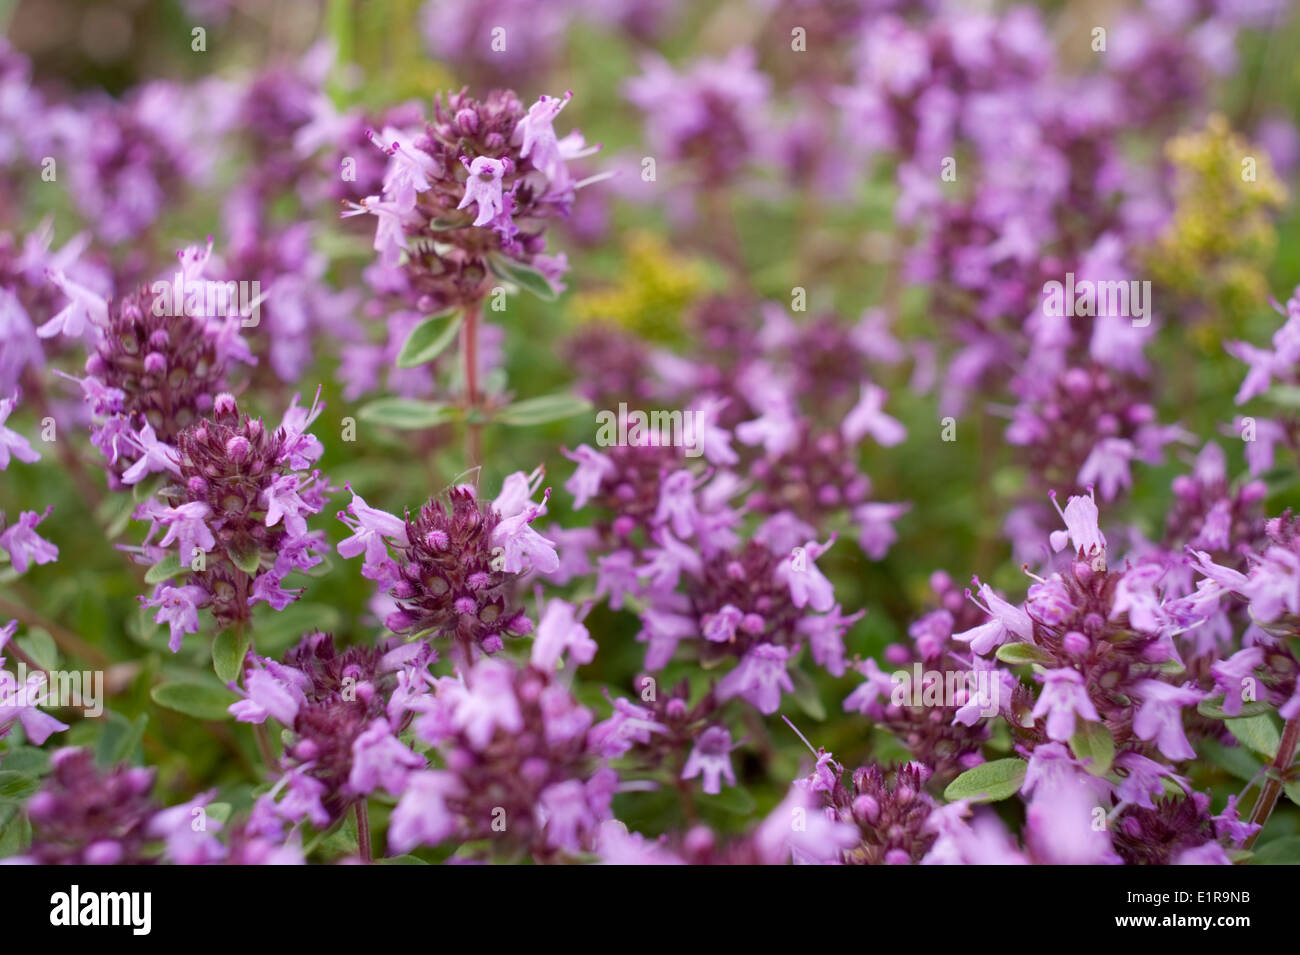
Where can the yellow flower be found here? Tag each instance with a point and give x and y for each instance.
(655, 287)
(1221, 238)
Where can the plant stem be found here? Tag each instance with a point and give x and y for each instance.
(66, 640)
(1273, 785)
(89, 490)
(469, 339)
(363, 830)
(18, 651)
(264, 746)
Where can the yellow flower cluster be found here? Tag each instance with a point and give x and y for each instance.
(655, 287)
(1214, 252)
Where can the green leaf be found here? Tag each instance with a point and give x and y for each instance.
(165, 569)
(15, 835)
(733, 799)
(806, 696)
(1283, 851)
(540, 410)
(447, 223)
(228, 652)
(1288, 396)
(275, 631)
(219, 811)
(1232, 759)
(27, 760)
(525, 276)
(1292, 791)
(1093, 743)
(201, 700)
(401, 860)
(1017, 653)
(249, 561)
(407, 414)
(988, 782)
(40, 646)
(430, 338)
(17, 786)
(1213, 708)
(1172, 788)
(119, 739)
(1257, 732)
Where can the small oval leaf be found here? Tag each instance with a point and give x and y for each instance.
(988, 782)
(1017, 653)
(1213, 708)
(541, 410)
(201, 700)
(228, 652)
(407, 414)
(430, 338)
(1093, 744)
(1257, 732)
(525, 276)
(165, 569)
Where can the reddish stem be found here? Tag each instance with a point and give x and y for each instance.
(473, 434)
(363, 830)
(1273, 785)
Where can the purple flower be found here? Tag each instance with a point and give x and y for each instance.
(154, 456)
(370, 526)
(1160, 716)
(271, 690)
(808, 585)
(488, 703)
(1008, 621)
(381, 760)
(677, 503)
(282, 502)
(1210, 853)
(593, 468)
(84, 308)
(572, 811)
(186, 842)
(1107, 466)
(1273, 585)
(484, 188)
(19, 702)
(186, 525)
(1064, 696)
(875, 522)
(518, 540)
(800, 830)
(11, 442)
(178, 608)
(408, 172)
(421, 817)
(1142, 779)
(825, 635)
(1231, 676)
(24, 545)
(868, 417)
(1080, 516)
(559, 631)
(711, 757)
(538, 141)
(759, 678)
